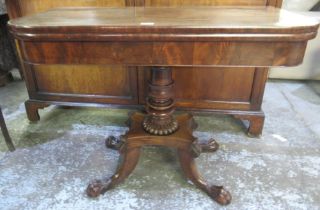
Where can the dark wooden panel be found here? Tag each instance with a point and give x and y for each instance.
(208, 88)
(79, 80)
(217, 83)
(112, 84)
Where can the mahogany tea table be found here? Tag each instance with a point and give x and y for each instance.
(163, 38)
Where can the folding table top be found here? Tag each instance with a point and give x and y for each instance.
(167, 20)
(168, 36)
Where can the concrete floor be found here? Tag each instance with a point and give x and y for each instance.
(57, 157)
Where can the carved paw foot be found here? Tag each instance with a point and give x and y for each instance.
(220, 195)
(211, 146)
(114, 143)
(198, 148)
(96, 188)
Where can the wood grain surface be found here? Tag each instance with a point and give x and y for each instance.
(125, 20)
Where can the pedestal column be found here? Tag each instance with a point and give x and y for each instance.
(160, 103)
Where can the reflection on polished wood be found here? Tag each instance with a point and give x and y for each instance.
(162, 38)
(198, 20)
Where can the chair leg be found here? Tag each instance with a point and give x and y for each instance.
(5, 133)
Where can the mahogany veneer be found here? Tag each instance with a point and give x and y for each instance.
(162, 38)
(229, 90)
